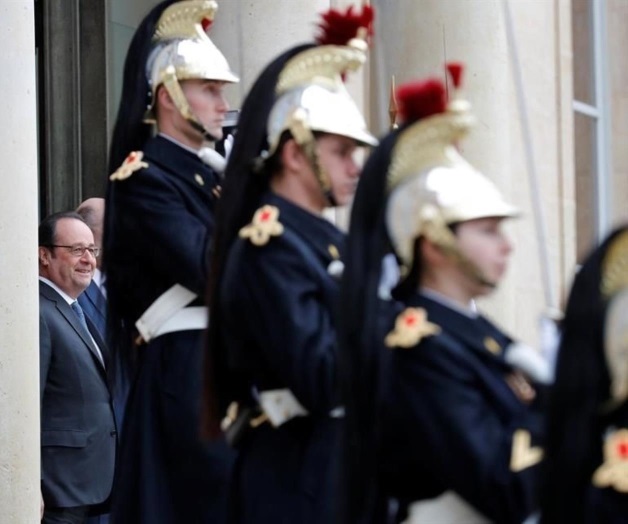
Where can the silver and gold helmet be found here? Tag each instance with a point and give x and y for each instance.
(431, 186)
(311, 96)
(183, 51)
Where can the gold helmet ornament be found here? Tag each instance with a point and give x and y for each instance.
(431, 186)
(311, 96)
(184, 51)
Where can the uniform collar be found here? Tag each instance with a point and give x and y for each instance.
(469, 311)
(315, 230)
(180, 144)
(183, 162)
(476, 331)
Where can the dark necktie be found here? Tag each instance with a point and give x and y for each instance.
(78, 310)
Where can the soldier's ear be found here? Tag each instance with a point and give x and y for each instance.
(431, 253)
(292, 157)
(163, 97)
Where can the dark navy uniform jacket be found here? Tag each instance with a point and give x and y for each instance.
(450, 417)
(162, 221)
(278, 327)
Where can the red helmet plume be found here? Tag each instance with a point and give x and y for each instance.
(337, 27)
(419, 100)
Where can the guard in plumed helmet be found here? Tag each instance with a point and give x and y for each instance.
(272, 359)
(586, 470)
(161, 198)
(442, 407)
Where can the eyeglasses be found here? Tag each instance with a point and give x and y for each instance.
(78, 250)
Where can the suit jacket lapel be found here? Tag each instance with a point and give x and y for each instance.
(65, 309)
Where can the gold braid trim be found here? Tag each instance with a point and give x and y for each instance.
(615, 266)
(305, 138)
(184, 19)
(430, 142)
(322, 65)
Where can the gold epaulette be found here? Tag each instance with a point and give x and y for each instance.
(523, 454)
(265, 224)
(411, 327)
(131, 164)
(613, 473)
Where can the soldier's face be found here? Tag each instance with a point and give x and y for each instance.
(207, 101)
(71, 273)
(484, 244)
(337, 157)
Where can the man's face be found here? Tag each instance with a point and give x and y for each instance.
(337, 157)
(484, 244)
(207, 101)
(70, 272)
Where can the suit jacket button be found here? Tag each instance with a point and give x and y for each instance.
(113, 433)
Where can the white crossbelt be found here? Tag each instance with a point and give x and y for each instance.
(168, 313)
(448, 508)
(280, 406)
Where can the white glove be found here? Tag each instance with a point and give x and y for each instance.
(530, 361)
(228, 145)
(389, 277)
(538, 365)
(213, 159)
(550, 339)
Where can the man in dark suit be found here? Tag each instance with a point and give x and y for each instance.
(78, 430)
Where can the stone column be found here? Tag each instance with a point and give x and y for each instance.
(19, 368)
(416, 37)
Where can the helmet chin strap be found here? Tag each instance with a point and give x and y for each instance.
(197, 126)
(438, 232)
(171, 83)
(473, 271)
(468, 267)
(307, 142)
(324, 182)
